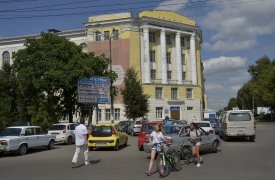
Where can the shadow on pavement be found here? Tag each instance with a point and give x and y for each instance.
(94, 162)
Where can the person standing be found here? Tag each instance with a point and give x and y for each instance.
(81, 143)
(196, 141)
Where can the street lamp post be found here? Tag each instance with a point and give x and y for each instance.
(111, 68)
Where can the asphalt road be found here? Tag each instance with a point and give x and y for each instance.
(236, 160)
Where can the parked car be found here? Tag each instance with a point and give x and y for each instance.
(124, 125)
(238, 123)
(215, 124)
(21, 138)
(107, 135)
(146, 128)
(178, 137)
(206, 126)
(64, 132)
(134, 127)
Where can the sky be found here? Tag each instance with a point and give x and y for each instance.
(235, 33)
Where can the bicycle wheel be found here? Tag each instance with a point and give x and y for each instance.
(163, 168)
(187, 154)
(175, 158)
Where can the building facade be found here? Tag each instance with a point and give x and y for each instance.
(163, 46)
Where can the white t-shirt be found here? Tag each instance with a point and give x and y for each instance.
(80, 131)
(194, 134)
(157, 137)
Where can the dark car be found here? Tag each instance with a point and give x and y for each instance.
(123, 125)
(215, 124)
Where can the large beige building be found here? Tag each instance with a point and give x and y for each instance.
(163, 46)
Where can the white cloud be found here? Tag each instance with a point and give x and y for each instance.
(214, 87)
(237, 27)
(223, 64)
(172, 5)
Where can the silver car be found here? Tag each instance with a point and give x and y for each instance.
(179, 137)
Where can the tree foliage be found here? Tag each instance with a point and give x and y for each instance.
(47, 70)
(231, 104)
(135, 101)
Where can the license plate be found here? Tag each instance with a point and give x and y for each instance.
(100, 144)
(241, 129)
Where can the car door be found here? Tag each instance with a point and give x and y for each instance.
(31, 137)
(41, 138)
(72, 128)
(205, 140)
(120, 134)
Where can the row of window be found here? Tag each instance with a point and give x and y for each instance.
(106, 35)
(168, 57)
(160, 114)
(174, 93)
(169, 75)
(108, 114)
(152, 39)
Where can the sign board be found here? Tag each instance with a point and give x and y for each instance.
(93, 90)
(263, 110)
(175, 108)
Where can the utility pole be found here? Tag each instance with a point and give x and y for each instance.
(111, 83)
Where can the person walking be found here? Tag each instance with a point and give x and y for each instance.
(155, 137)
(196, 138)
(81, 143)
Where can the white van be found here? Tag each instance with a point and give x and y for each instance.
(238, 123)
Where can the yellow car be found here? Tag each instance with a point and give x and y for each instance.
(107, 135)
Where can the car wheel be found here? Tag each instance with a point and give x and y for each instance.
(140, 148)
(70, 140)
(215, 147)
(252, 138)
(116, 148)
(22, 149)
(51, 144)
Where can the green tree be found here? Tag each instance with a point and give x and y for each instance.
(47, 70)
(231, 104)
(8, 87)
(135, 101)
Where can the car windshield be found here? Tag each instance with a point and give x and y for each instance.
(239, 117)
(57, 127)
(102, 131)
(203, 124)
(11, 132)
(148, 128)
(171, 129)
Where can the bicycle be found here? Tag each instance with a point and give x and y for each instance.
(167, 160)
(186, 153)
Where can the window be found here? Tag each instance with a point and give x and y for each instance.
(115, 35)
(6, 57)
(183, 75)
(182, 41)
(239, 117)
(153, 56)
(153, 74)
(97, 36)
(29, 132)
(38, 131)
(83, 46)
(117, 114)
(169, 75)
(168, 39)
(99, 115)
(159, 112)
(158, 93)
(72, 126)
(106, 35)
(152, 37)
(189, 93)
(174, 93)
(183, 62)
(168, 57)
(108, 114)
(189, 108)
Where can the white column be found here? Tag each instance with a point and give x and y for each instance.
(147, 69)
(193, 59)
(178, 58)
(163, 56)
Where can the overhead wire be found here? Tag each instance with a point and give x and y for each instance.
(125, 9)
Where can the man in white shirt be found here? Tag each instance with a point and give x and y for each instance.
(81, 143)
